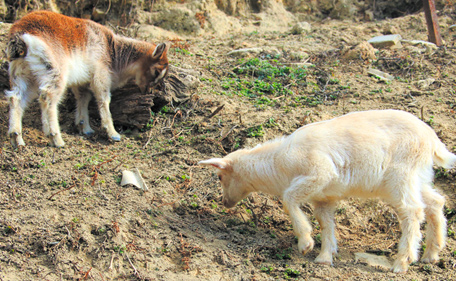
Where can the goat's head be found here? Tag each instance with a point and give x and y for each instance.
(155, 67)
(234, 184)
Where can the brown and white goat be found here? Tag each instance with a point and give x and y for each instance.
(49, 53)
(386, 154)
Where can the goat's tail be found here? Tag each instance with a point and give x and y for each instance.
(16, 48)
(442, 157)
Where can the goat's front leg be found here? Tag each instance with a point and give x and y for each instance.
(100, 86)
(324, 212)
(292, 199)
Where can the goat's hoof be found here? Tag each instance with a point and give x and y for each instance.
(56, 140)
(399, 267)
(16, 139)
(305, 245)
(89, 133)
(429, 258)
(115, 137)
(323, 260)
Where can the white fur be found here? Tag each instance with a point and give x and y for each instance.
(373, 154)
(79, 70)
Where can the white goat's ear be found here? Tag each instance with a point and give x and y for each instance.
(218, 163)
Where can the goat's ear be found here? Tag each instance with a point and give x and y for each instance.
(160, 50)
(219, 163)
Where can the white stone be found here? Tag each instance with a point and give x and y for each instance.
(424, 84)
(393, 40)
(380, 74)
(133, 178)
(426, 44)
(301, 27)
(245, 52)
(373, 260)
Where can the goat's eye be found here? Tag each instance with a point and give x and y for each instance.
(220, 177)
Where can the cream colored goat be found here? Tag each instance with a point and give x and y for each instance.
(49, 53)
(386, 154)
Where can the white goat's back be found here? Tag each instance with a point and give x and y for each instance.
(360, 154)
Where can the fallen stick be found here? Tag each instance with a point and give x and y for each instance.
(136, 273)
(215, 111)
(50, 197)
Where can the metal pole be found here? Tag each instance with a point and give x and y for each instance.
(432, 22)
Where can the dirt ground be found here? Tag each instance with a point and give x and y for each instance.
(64, 215)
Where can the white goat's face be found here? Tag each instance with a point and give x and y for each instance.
(234, 187)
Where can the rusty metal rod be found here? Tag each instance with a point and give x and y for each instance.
(432, 22)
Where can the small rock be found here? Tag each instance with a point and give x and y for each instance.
(245, 52)
(373, 260)
(390, 29)
(363, 51)
(301, 27)
(380, 74)
(424, 84)
(385, 41)
(428, 45)
(296, 56)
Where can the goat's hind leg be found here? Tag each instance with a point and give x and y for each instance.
(324, 212)
(82, 111)
(49, 99)
(17, 106)
(410, 210)
(436, 224)
(19, 96)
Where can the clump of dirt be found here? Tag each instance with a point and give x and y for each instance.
(65, 216)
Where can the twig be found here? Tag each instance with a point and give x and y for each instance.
(172, 122)
(229, 132)
(112, 259)
(150, 134)
(215, 111)
(255, 218)
(69, 234)
(96, 167)
(136, 273)
(50, 197)
(165, 204)
(87, 273)
(276, 98)
(109, 7)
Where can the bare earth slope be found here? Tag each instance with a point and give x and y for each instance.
(64, 215)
